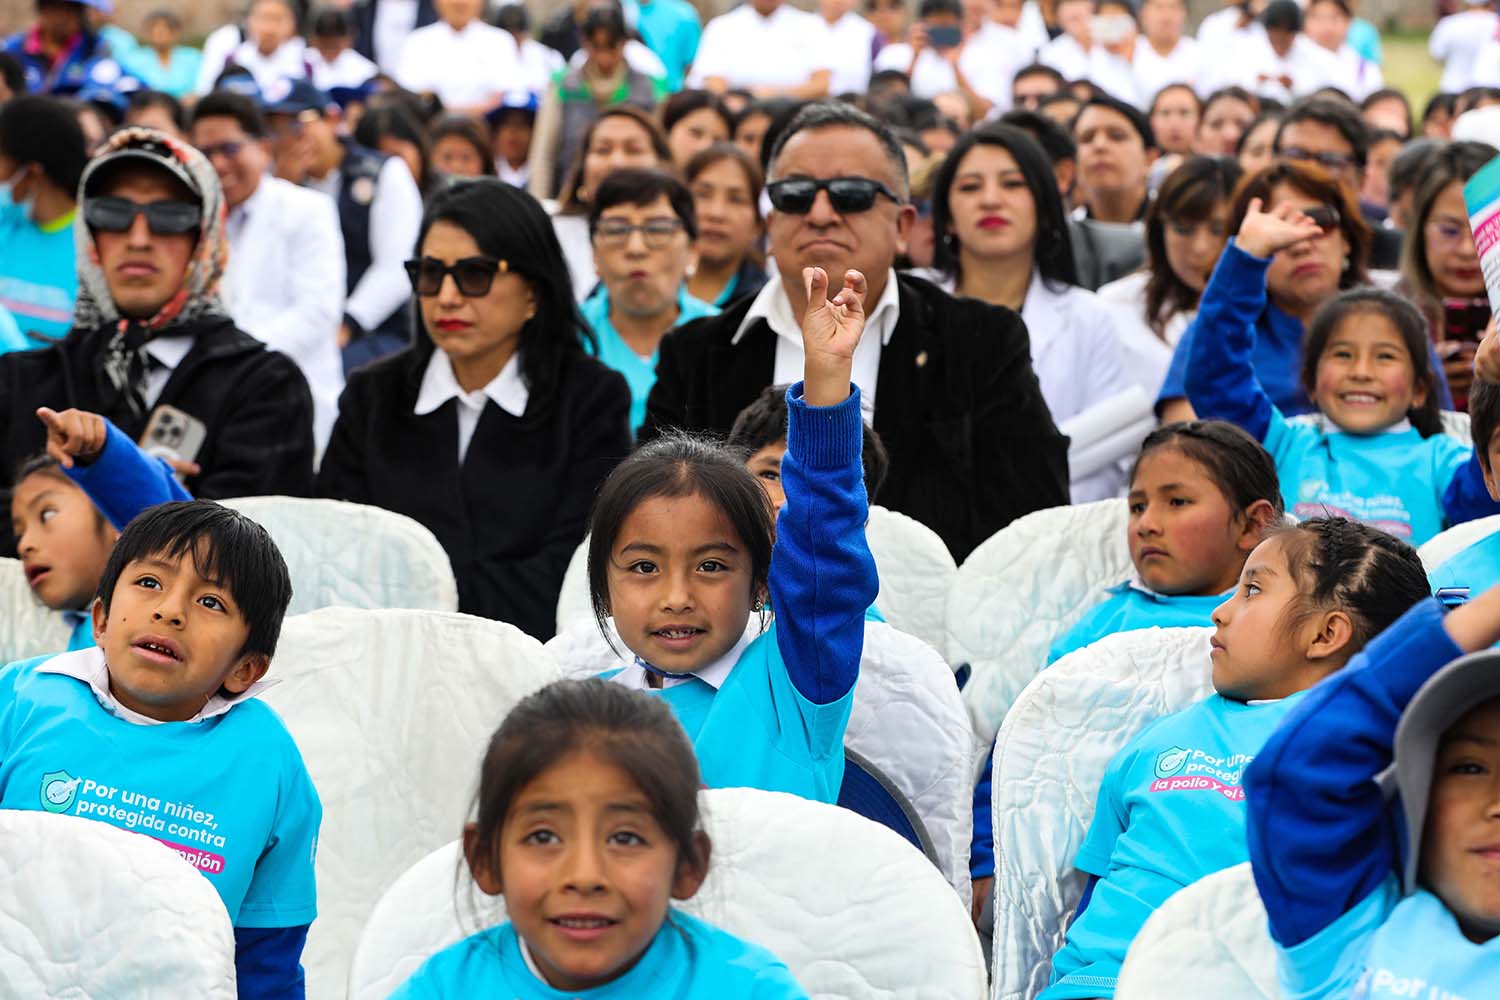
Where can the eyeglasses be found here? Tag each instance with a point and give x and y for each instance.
(1326, 217)
(1328, 161)
(1445, 231)
(473, 275)
(847, 194)
(163, 218)
(656, 233)
(229, 150)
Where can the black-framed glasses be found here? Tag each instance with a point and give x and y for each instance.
(1325, 216)
(164, 218)
(229, 150)
(1331, 162)
(796, 195)
(472, 275)
(656, 233)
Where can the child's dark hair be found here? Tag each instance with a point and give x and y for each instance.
(1234, 461)
(635, 732)
(1409, 324)
(763, 423)
(226, 547)
(679, 464)
(45, 465)
(1343, 565)
(1484, 418)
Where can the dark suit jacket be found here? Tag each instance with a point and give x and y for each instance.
(957, 404)
(364, 23)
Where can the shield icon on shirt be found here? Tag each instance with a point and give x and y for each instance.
(59, 789)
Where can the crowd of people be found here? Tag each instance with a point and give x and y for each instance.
(711, 290)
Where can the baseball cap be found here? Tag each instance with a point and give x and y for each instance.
(512, 100)
(292, 97)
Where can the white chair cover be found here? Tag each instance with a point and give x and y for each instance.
(573, 604)
(850, 907)
(392, 711)
(90, 910)
(1447, 544)
(1053, 749)
(1456, 425)
(350, 555)
(1023, 588)
(27, 626)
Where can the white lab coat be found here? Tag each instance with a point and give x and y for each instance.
(1145, 356)
(1456, 42)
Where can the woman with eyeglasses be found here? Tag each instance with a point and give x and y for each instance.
(494, 428)
(1002, 237)
(726, 185)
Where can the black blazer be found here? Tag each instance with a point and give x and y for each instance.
(363, 15)
(512, 515)
(957, 404)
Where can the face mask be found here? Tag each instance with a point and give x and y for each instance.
(1111, 29)
(8, 203)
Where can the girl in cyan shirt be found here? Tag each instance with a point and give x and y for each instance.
(1171, 808)
(587, 824)
(1378, 453)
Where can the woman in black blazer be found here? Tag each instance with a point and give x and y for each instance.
(495, 428)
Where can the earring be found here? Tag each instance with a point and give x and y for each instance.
(757, 606)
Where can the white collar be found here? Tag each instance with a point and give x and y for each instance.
(714, 674)
(170, 350)
(772, 305)
(1327, 426)
(88, 665)
(506, 390)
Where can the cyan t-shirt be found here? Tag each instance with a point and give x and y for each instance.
(11, 338)
(687, 960)
(1131, 606)
(639, 372)
(229, 794)
(38, 274)
(671, 29)
(1388, 947)
(1476, 567)
(1170, 811)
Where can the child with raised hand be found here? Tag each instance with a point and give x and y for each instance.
(1171, 808)
(69, 505)
(158, 730)
(1378, 454)
(587, 824)
(1359, 902)
(681, 554)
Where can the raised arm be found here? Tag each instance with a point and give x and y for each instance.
(118, 477)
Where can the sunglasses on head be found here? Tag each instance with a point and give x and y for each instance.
(472, 275)
(796, 195)
(164, 218)
(1325, 216)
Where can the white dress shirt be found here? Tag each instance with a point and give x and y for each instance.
(633, 676)
(539, 63)
(285, 284)
(465, 69)
(1065, 55)
(288, 62)
(851, 43)
(1250, 62)
(348, 69)
(1144, 356)
(1153, 71)
(1354, 74)
(167, 353)
(1456, 42)
(506, 390)
(216, 49)
(88, 665)
(989, 62)
(773, 306)
(394, 21)
(749, 51)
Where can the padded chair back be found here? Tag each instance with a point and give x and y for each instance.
(392, 711)
(1218, 920)
(91, 910)
(349, 555)
(1447, 544)
(27, 626)
(1022, 589)
(1050, 759)
(573, 604)
(848, 905)
(1457, 425)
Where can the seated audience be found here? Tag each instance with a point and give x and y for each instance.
(461, 148)
(1164, 55)
(1327, 23)
(1226, 115)
(461, 60)
(1388, 109)
(162, 63)
(512, 126)
(726, 185)
(271, 51)
(671, 29)
(1115, 150)
(157, 110)
(1175, 113)
(948, 52)
(1257, 147)
(61, 51)
(693, 121)
(1404, 174)
(1033, 84)
(331, 56)
(1457, 40)
(767, 47)
(851, 41)
(392, 131)
(1476, 568)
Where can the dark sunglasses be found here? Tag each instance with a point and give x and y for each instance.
(1325, 216)
(229, 150)
(472, 275)
(164, 218)
(847, 194)
(1332, 162)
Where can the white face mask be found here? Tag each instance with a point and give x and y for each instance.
(1112, 29)
(8, 197)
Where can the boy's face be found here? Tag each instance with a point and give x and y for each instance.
(1461, 845)
(765, 466)
(172, 639)
(61, 538)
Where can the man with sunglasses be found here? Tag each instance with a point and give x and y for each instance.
(151, 337)
(971, 442)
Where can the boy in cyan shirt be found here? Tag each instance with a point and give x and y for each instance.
(158, 729)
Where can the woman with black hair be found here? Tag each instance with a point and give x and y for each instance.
(392, 130)
(494, 429)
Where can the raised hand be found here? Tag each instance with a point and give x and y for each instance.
(1263, 234)
(831, 329)
(73, 434)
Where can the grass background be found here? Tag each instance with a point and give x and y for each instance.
(1409, 68)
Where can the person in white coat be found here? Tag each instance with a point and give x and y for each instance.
(468, 64)
(285, 280)
(1457, 40)
(1327, 22)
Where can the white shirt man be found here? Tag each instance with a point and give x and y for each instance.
(1456, 42)
(989, 62)
(749, 50)
(539, 63)
(347, 69)
(289, 61)
(1153, 71)
(394, 20)
(1256, 66)
(467, 69)
(851, 41)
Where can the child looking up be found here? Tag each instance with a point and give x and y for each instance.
(158, 729)
(681, 554)
(1378, 454)
(1171, 809)
(1356, 905)
(587, 824)
(69, 505)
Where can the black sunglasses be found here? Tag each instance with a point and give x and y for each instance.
(847, 194)
(1325, 216)
(472, 275)
(164, 218)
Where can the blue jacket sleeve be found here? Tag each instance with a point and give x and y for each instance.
(1321, 838)
(1466, 498)
(1220, 378)
(268, 962)
(982, 849)
(123, 480)
(822, 574)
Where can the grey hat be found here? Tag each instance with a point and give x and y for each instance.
(1462, 685)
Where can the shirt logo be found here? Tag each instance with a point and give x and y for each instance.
(59, 789)
(1170, 762)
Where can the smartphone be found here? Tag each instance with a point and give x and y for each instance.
(944, 36)
(172, 434)
(1465, 319)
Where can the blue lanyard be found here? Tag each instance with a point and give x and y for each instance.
(665, 674)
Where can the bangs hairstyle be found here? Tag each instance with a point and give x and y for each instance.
(1235, 462)
(510, 225)
(468, 130)
(679, 464)
(227, 549)
(1452, 163)
(764, 421)
(755, 180)
(1052, 246)
(1189, 195)
(685, 102)
(396, 122)
(640, 187)
(1410, 325)
(1484, 418)
(635, 732)
(569, 199)
(1317, 184)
